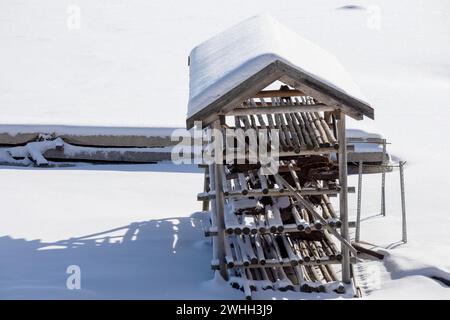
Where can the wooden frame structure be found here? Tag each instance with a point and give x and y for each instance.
(310, 117)
(275, 226)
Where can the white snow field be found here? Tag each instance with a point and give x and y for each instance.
(135, 231)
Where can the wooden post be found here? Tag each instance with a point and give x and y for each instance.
(343, 205)
(402, 193)
(383, 181)
(219, 201)
(358, 206)
(206, 188)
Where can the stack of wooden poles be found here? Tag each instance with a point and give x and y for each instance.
(271, 240)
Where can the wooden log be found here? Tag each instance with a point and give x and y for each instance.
(245, 285)
(329, 241)
(283, 283)
(291, 255)
(310, 130)
(326, 214)
(263, 182)
(229, 259)
(239, 246)
(231, 223)
(261, 223)
(297, 250)
(277, 248)
(249, 250)
(266, 279)
(272, 126)
(316, 131)
(279, 183)
(295, 131)
(325, 273)
(329, 206)
(249, 224)
(299, 221)
(304, 131)
(278, 220)
(329, 134)
(271, 221)
(294, 175)
(237, 252)
(242, 183)
(283, 138)
(259, 251)
(270, 250)
(313, 250)
(225, 185)
(285, 133)
(304, 251)
(327, 250)
(318, 124)
(295, 142)
(305, 216)
(368, 251)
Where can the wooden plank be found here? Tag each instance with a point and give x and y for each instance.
(279, 109)
(278, 93)
(365, 157)
(343, 197)
(286, 263)
(367, 251)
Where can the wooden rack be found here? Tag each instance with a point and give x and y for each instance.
(280, 231)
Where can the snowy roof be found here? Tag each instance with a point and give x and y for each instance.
(225, 61)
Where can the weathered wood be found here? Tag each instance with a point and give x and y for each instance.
(275, 109)
(368, 251)
(343, 205)
(278, 93)
(313, 211)
(219, 200)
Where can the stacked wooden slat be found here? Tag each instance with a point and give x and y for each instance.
(270, 240)
(297, 131)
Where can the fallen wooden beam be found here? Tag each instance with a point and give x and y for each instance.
(359, 247)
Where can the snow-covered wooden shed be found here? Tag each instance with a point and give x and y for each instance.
(277, 230)
(238, 63)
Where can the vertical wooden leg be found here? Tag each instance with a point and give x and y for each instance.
(402, 192)
(358, 210)
(206, 188)
(383, 182)
(343, 204)
(219, 200)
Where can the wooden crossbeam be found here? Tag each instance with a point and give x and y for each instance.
(279, 109)
(278, 93)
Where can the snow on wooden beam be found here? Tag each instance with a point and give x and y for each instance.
(279, 109)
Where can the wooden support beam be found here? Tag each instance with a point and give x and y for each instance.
(286, 262)
(343, 205)
(278, 93)
(279, 109)
(219, 201)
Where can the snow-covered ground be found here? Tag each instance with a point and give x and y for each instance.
(127, 64)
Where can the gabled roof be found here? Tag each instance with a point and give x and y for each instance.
(232, 66)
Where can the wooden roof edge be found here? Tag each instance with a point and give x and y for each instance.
(297, 79)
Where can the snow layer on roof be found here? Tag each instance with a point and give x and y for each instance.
(224, 61)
